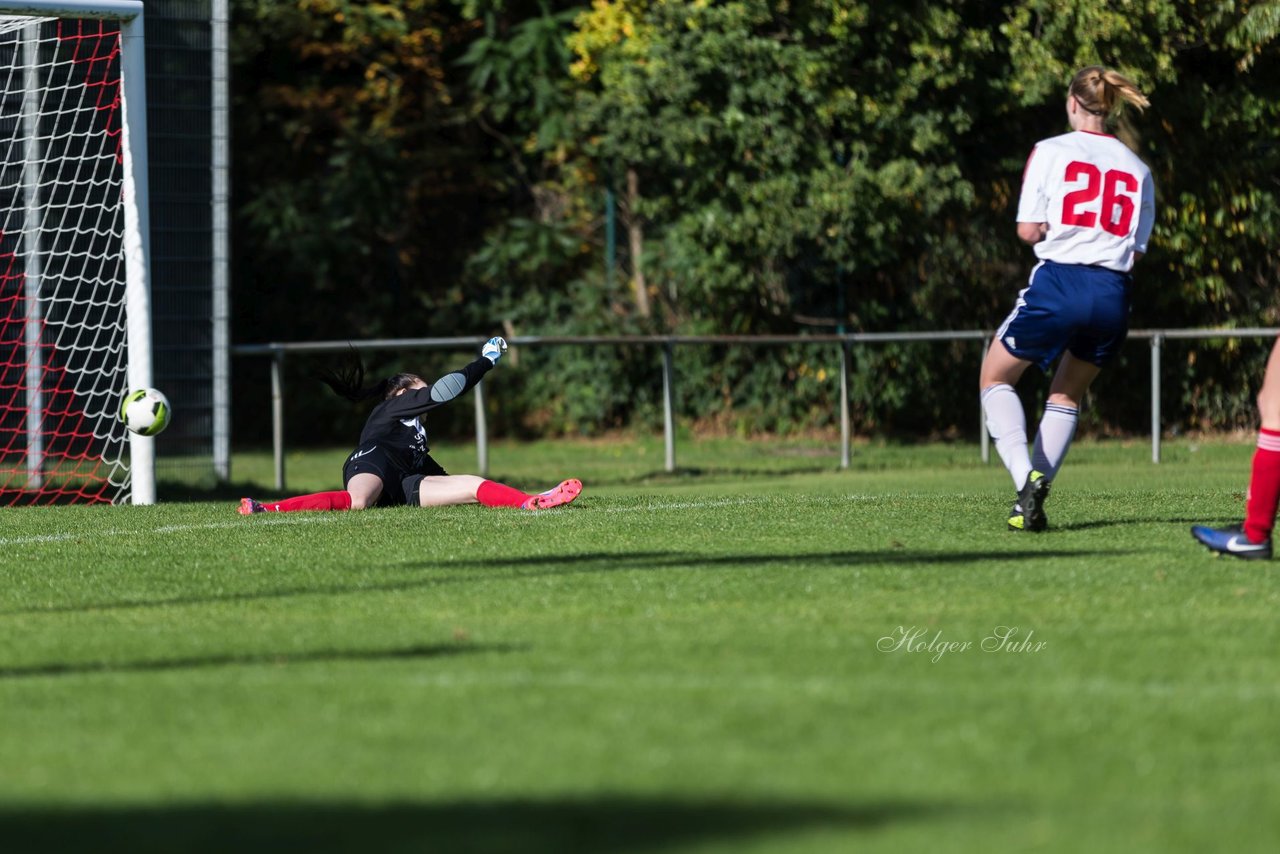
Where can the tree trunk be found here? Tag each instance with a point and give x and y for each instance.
(635, 233)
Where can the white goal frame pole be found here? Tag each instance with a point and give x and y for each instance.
(33, 269)
(137, 243)
(220, 25)
(135, 200)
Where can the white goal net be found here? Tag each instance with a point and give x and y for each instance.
(74, 325)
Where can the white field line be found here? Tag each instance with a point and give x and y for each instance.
(814, 686)
(307, 519)
(732, 502)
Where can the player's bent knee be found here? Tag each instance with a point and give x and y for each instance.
(1269, 408)
(363, 502)
(1063, 399)
(990, 379)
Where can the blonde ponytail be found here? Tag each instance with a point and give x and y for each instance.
(1117, 82)
(1101, 91)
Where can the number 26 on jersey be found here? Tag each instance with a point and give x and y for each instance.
(1080, 208)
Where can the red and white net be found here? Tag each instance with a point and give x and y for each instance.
(62, 287)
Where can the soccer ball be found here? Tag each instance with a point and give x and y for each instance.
(145, 411)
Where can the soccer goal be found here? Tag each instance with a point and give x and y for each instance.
(75, 326)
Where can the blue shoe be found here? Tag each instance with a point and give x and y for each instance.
(1027, 513)
(1231, 541)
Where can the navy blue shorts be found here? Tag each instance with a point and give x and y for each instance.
(399, 485)
(1081, 309)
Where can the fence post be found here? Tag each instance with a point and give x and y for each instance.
(669, 403)
(985, 440)
(1156, 340)
(277, 416)
(846, 433)
(482, 432)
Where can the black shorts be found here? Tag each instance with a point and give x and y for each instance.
(399, 485)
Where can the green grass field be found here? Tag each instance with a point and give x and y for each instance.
(678, 662)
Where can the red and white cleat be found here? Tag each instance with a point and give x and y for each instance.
(248, 507)
(564, 493)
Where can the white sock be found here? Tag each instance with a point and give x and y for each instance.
(1057, 428)
(1007, 424)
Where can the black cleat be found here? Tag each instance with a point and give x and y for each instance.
(1027, 513)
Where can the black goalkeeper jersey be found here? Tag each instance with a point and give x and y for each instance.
(395, 425)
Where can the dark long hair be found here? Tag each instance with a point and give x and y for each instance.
(348, 380)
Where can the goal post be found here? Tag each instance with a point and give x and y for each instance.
(75, 319)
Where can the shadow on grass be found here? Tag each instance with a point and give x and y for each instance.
(1111, 523)
(554, 826)
(686, 473)
(186, 493)
(197, 662)
(608, 562)
(523, 566)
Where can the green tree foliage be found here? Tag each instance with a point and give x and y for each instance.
(344, 161)
(1259, 26)
(769, 166)
(778, 144)
(520, 95)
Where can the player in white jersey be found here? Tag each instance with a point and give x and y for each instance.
(1095, 198)
(1087, 207)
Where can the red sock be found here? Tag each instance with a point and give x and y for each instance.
(340, 500)
(1264, 488)
(494, 494)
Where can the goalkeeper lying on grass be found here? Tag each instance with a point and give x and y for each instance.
(392, 465)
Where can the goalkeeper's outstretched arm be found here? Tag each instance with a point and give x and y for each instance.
(450, 386)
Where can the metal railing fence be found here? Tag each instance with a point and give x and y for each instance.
(668, 343)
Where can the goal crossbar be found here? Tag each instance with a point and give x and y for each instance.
(121, 10)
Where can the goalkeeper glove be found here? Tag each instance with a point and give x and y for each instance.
(493, 349)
